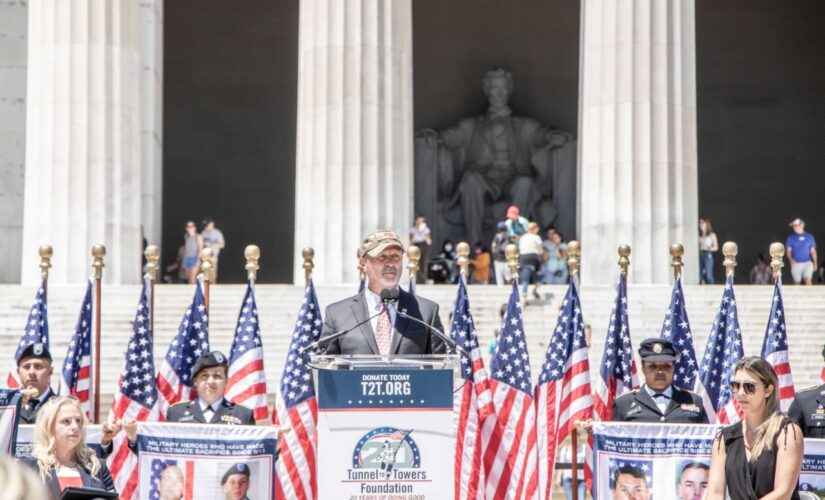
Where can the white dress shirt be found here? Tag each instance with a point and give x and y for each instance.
(663, 400)
(374, 305)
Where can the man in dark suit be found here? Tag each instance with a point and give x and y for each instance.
(381, 259)
(808, 410)
(34, 368)
(659, 400)
(209, 375)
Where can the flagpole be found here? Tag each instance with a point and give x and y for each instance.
(253, 255)
(511, 252)
(152, 254)
(676, 253)
(308, 254)
(98, 252)
(574, 251)
(206, 273)
(46, 254)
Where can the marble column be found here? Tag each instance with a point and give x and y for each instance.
(637, 174)
(151, 117)
(83, 138)
(354, 169)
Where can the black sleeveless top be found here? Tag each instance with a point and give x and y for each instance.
(750, 480)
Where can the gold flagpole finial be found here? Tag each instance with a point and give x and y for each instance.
(729, 250)
(624, 258)
(777, 250)
(413, 258)
(98, 252)
(511, 252)
(574, 252)
(46, 254)
(253, 255)
(152, 254)
(463, 261)
(309, 255)
(206, 263)
(676, 253)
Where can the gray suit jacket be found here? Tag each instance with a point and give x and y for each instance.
(408, 337)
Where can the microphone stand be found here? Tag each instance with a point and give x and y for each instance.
(329, 338)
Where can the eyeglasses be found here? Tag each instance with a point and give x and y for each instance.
(750, 387)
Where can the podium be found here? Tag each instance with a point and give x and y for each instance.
(385, 426)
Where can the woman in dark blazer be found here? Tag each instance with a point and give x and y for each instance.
(59, 452)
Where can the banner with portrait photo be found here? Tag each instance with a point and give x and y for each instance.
(9, 418)
(651, 461)
(205, 462)
(25, 439)
(812, 477)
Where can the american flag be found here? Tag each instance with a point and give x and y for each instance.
(676, 329)
(510, 457)
(37, 330)
(136, 397)
(474, 402)
(296, 407)
(247, 380)
(563, 390)
(618, 368)
(775, 348)
(192, 340)
(75, 378)
(723, 351)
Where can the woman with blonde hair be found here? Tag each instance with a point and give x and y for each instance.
(59, 451)
(761, 456)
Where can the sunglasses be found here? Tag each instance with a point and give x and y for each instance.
(749, 387)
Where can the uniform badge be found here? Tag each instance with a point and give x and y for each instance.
(219, 357)
(37, 349)
(657, 348)
(186, 418)
(231, 419)
(690, 407)
(634, 409)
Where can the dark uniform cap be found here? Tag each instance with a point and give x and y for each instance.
(658, 350)
(36, 350)
(238, 468)
(208, 360)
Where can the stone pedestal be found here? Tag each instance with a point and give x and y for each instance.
(83, 138)
(354, 169)
(637, 176)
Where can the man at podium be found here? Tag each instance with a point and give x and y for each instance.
(374, 319)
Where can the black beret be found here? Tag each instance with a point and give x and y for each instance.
(658, 350)
(238, 468)
(36, 350)
(208, 360)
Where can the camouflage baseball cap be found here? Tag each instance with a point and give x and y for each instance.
(379, 241)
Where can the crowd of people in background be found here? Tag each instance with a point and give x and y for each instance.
(188, 262)
(543, 258)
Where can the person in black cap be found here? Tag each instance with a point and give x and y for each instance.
(659, 400)
(34, 367)
(209, 376)
(235, 482)
(807, 410)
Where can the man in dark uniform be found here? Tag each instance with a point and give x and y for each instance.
(209, 376)
(235, 482)
(659, 400)
(808, 410)
(34, 367)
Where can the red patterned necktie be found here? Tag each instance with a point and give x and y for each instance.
(383, 332)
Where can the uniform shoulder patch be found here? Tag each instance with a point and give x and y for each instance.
(812, 388)
(180, 403)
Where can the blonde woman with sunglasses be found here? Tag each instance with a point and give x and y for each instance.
(59, 452)
(760, 457)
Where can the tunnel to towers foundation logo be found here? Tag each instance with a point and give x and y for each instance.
(385, 458)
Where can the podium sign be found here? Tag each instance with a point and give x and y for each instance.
(385, 433)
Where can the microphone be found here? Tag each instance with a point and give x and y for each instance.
(389, 296)
(438, 333)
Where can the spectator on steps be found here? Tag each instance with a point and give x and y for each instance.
(801, 251)
(213, 238)
(761, 272)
